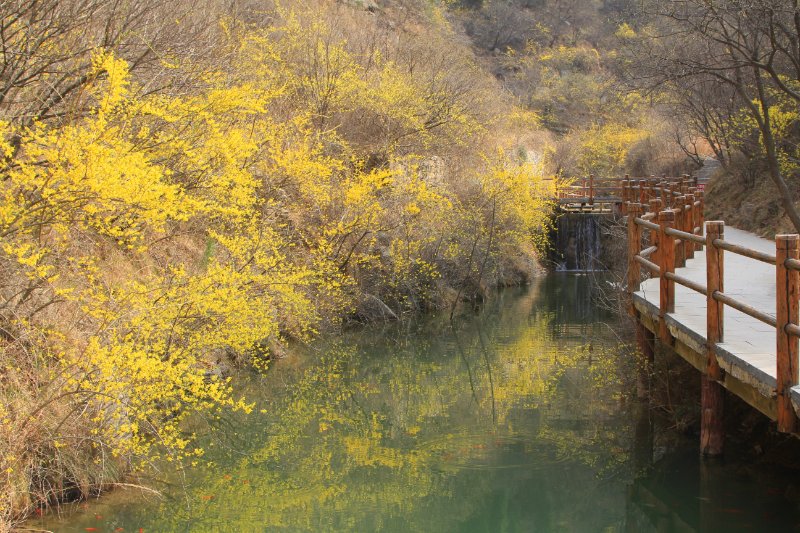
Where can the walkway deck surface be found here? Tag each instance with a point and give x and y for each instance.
(749, 347)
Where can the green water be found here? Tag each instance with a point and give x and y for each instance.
(519, 417)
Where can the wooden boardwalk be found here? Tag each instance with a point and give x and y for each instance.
(748, 352)
(725, 300)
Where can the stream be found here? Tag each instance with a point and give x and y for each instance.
(521, 416)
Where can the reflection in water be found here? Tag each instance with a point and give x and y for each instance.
(514, 419)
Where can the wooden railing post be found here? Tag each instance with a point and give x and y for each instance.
(712, 434)
(643, 192)
(787, 291)
(591, 189)
(634, 247)
(715, 270)
(691, 220)
(680, 216)
(655, 207)
(701, 221)
(666, 302)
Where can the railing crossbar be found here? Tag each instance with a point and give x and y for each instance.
(647, 224)
(652, 267)
(647, 252)
(747, 252)
(686, 282)
(746, 309)
(686, 236)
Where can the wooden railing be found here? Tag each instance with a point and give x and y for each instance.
(613, 194)
(669, 218)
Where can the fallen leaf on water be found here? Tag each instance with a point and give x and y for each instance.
(98, 517)
(120, 529)
(90, 529)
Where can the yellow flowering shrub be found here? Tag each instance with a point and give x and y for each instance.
(150, 234)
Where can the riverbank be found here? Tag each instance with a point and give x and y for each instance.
(190, 211)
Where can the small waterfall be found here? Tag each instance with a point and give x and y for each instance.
(576, 243)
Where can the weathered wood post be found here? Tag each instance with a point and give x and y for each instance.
(787, 291)
(680, 244)
(685, 221)
(655, 207)
(691, 220)
(591, 189)
(643, 192)
(712, 433)
(666, 219)
(701, 210)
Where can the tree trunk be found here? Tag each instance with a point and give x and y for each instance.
(765, 125)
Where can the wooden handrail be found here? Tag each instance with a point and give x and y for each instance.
(652, 267)
(647, 252)
(686, 282)
(683, 235)
(646, 223)
(744, 308)
(587, 191)
(675, 237)
(747, 252)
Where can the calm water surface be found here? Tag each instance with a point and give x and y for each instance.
(517, 418)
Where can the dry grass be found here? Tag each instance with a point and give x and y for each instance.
(748, 203)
